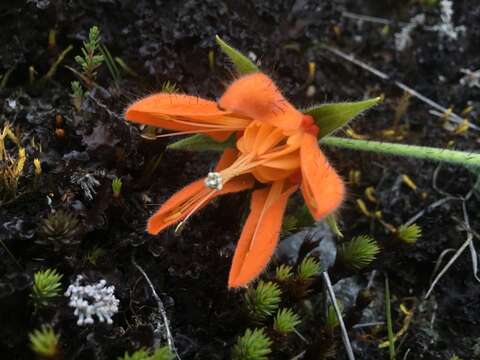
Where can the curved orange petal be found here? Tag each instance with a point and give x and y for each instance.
(228, 158)
(260, 234)
(185, 113)
(195, 196)
(190, 199)
(286, 162)
(175, 208)
(267, 174)
(322, 188)
(257, 96)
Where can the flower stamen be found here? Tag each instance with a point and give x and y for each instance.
(214, 181)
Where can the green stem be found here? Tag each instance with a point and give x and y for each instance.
(419, 152)
(388, 315)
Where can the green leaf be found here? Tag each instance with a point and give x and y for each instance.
(241, 63)
(330, 117)
(202, 142)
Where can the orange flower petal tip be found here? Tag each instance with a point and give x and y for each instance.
(322, 188)
(175, 105)
(260, 234)
(256, 96)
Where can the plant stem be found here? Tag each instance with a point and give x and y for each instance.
(414, 151)
(388, 315)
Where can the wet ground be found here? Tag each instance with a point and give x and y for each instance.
(173, 41)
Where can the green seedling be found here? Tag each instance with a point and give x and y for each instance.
(285, 321)
(44, 342)
(253, 345)
(358, 252)
(263, 300)
(46, 286)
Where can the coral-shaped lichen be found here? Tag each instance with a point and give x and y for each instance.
(92, 300)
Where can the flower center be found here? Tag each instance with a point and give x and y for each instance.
(266, 152)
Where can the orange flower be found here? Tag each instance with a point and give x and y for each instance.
(277, 146)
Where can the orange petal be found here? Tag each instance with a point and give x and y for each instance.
(190, 199)
(274, 138)
(185, 113)
(170, 212)
(322, 188)
(228, 158)
(260, 234)
(266, 174)
(257, 96)
(286, 162)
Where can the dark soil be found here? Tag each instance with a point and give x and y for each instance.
(170, 41)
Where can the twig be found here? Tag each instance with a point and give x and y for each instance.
(371, 279)
(300, 336)
(359, 63)
(368, 18)
(428, 209)
(439, 261)
(379, 20)
(105, 108)
(406, 354)
(467, 243)
(299, 356)
(471, 246)
(450, 114)
(448, 265)
(346, 340)
(370, 324)
(161, 309)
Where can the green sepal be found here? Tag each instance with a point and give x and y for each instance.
(330, 117)
(241, 63)
(202, 142)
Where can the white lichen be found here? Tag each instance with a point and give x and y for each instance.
(92, 300)
(214, 181)
(403, 38)
(471, 78)
(87, 182)
(446, 28)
